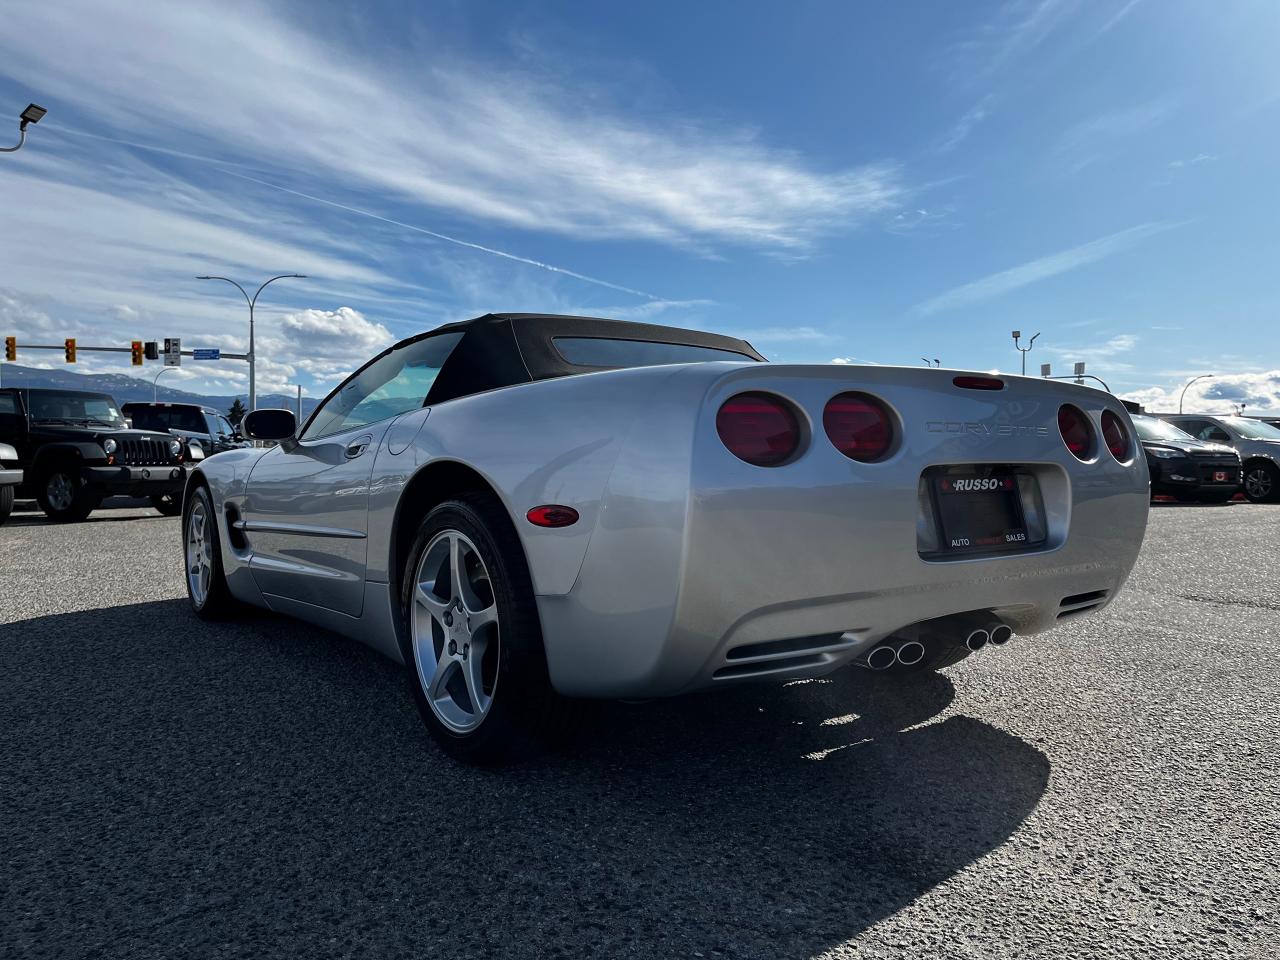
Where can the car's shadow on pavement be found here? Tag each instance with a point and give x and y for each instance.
(262, 788)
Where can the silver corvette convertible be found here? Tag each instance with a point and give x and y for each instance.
(529, 509)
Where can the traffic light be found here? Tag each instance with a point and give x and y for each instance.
(11, 348)
(135, 352)
(151, 350)
(70, 346)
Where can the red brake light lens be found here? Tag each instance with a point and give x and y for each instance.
(1074, 427)
(759, 428)
(979, 383)
(858, 426)
(1115, 435)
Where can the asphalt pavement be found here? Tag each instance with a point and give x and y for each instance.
(263, 789)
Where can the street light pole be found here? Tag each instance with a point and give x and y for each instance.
(155, 384)
(1203, 376)
(253, 301)
(1023, 350)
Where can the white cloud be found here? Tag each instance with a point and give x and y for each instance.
(1105, 357)
(1006, 281)
(325, 344)
(785, 335)
(476, 139)
(966, 124)
(1090, 140)
(1260, 392)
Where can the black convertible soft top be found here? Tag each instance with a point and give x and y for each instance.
(503, 349)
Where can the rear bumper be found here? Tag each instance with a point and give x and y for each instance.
(799, 583)
(10, 478)
(148, 481)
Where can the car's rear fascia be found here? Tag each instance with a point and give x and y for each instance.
(705, 570)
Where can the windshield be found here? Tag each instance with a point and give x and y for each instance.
(75, 408)
(1252, 429)
(1149, 428)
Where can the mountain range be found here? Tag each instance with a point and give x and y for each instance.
(125, 388)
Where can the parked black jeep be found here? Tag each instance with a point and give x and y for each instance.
(197, 424)
(74, 448)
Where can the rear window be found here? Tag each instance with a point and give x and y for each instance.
(607, 352)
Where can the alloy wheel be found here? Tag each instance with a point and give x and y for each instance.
(455, 631)
(1257, 483)
(60, 491)
(199, 553)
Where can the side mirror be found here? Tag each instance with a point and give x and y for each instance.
(277, 425)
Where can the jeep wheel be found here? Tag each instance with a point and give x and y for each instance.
(170, 504)
(63, 496)
(6, 503)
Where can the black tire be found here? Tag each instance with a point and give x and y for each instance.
(217, 602)
(170, 504)
(52, 487)
(525, 714)
(6, 503)
(1261, 482)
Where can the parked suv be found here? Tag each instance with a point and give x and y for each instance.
(1257, 443)
(74, 448)
(203, 425)
(10, 478)
(1184, 467)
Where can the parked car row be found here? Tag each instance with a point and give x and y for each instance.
(1194, 457)
(68, 449)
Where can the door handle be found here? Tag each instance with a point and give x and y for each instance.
(357, 447)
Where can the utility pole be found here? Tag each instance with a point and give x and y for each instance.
(1023, 350)
(252, 301)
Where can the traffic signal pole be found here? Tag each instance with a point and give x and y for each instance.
(223, 355)
(70, 348)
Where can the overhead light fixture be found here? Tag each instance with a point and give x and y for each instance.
(33, 114)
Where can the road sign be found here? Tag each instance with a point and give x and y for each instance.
(1045, 370)
(213, 353)
(173, 351)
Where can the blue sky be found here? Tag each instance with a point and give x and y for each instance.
(834, 181)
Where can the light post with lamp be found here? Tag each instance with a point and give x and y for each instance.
(252, 301)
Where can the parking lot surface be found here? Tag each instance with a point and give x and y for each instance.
(263, 789)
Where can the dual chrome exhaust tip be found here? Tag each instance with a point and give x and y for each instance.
(909, 652)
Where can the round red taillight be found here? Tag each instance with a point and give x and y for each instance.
(1115, 435)
(858, 426)
(759, 428)
(1076, 434)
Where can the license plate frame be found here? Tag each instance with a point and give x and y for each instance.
(979, 511)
